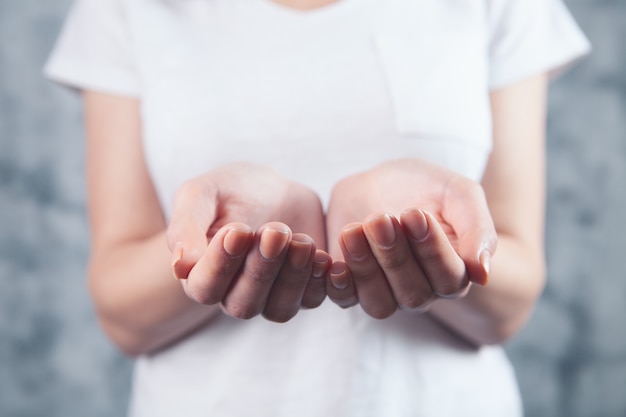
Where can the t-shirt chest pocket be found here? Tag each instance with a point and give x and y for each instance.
(437, 81)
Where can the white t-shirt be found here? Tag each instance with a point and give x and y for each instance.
(318, 95)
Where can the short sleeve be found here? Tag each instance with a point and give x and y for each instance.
(531, 36)
(94, 50)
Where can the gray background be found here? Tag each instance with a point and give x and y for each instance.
(54, 361)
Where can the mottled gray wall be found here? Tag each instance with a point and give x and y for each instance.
(54, 361)
(571, 359)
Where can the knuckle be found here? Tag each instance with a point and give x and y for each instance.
(292, 281)
(262, 276)
(366, 275)
(430, 254)
(392, 260)
(260, 280)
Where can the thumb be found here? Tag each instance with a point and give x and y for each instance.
(194, 212)
(471, 220)
(476, 245)
(476, 250)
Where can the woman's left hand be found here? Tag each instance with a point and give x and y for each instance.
(409, 232)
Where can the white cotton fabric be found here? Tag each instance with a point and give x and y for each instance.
(318, 95)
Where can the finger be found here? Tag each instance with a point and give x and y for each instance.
(340, 287)
(374, 293)
(411, 288)
(285, 297)
(193, 214)
(249, 291)
(442, 266)
(315, 291)
(211, 276)
(467, 211)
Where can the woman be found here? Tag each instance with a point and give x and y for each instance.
(369, 151)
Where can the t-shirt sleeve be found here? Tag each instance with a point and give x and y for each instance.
(94, 50)
(531, 36)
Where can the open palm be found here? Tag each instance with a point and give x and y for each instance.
(408, 231)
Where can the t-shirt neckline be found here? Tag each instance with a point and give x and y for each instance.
(321, 12)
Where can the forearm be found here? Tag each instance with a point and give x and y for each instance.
(494, 313)
(139, 304)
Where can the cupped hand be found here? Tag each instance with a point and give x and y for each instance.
(408, 232)
(244, 236)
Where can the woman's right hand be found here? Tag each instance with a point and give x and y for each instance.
(244, 236)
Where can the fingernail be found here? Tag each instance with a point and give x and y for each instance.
(485, 261)
(416, 223)
(355, 241)
(273, 242)
(299, 254)
(339, 277)
(177, 256)
(237, 241)
(319, 268)
(382, 230)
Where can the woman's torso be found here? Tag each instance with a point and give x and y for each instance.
(318, 95)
